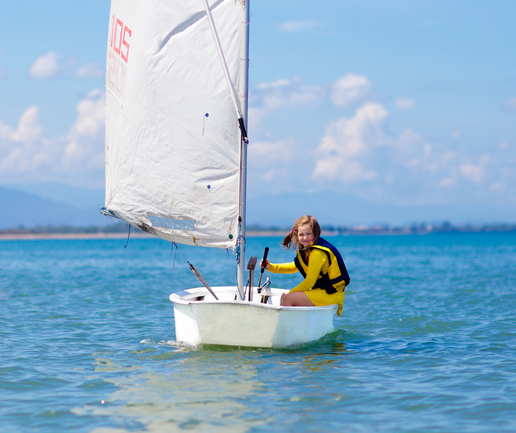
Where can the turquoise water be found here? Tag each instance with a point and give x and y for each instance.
(427, 341)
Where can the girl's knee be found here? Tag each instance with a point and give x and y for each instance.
(297, 299)
(285, 300)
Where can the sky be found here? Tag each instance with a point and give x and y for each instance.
(391, 101)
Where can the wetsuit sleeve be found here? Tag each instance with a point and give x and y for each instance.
(315, 264)
(282, 268)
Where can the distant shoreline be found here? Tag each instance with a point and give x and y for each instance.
(86, 236)
(71, 236)
(260, 233)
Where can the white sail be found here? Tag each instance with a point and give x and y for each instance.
(172, 137)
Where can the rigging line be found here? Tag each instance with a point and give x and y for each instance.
(197, 273)
(174, 251)
(109, 214)
(226, 71)
(180, 252)
(238, 243)
(232, 266)
(128, 235)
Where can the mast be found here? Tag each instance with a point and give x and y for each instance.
(243, 97)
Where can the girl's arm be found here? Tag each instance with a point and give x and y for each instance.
(282, 268)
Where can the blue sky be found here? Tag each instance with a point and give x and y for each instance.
(393, 101)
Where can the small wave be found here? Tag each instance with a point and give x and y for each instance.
(172, 343)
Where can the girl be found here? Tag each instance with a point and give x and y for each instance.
(319, 262)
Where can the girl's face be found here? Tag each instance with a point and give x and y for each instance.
(305, 235)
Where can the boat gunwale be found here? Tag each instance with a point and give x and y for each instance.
(176, 297)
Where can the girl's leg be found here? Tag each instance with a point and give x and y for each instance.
(296, 299)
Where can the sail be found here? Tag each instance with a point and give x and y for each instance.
(172, 138)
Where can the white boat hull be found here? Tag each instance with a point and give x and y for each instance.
(201, 319)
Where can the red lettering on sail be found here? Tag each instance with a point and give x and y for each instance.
(116, 74)
(118, 56)
(126, 44)
(120, 35)
(115, 30)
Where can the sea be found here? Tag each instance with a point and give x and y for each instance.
(426, 342)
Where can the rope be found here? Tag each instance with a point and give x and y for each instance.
(174, 251)
(128, 236)
(196, 273)
(175, 248)
(226, 70)
(234, 267)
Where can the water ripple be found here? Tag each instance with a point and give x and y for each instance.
(426, 342)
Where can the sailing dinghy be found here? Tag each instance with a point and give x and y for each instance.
(176, 159)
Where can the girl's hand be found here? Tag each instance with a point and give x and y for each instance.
(267, 264)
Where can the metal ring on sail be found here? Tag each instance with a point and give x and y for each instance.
(226, 71)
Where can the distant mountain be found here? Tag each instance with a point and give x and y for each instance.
(55, 204)
(77, 197)
(18, 208)
(332, 208)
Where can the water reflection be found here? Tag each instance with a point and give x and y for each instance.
(168, 387)
(204, 391)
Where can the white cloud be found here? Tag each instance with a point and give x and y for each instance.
(85, 148)
(274, 84)
(475, 172)
(357, 153)
(348, 144)
(279, 165)
(349, 90)
(271, 96)
(362, 153)
(510, 104)
(447, 182)
(5, 134)
(270, 150)
(287, 92)
(29, 129)
(52, 65)
(89, 70)
(26, 156)
(23, 151)
(405, 103)
(46, 66)
(498, 187)
(299, 26)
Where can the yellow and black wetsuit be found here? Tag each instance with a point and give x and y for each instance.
(325, 274)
